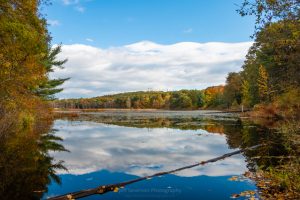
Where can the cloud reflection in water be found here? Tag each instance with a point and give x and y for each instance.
(142, 151)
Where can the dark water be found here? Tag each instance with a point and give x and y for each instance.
(111, 147)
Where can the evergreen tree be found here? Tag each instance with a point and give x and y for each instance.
(48, 88)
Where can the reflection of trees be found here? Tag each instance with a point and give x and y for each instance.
(244, 134)
(239, 133)
(278, 159)
(212, 125)
(267, 155)
(25, 164)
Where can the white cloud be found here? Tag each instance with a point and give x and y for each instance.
(139, 66)
(92, 149)
(76, 3)
(70, 2)
(54, 23)
(89, 39)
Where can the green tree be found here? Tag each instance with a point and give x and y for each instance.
(268, 11)
(278, 51)
(185, 101)
(246, 99)
(276, 48)
(232, 89)
(250, 74)
(180, 100)
(48, 87)
(196, 97)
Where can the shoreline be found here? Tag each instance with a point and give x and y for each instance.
(139, 110)
(248, 114)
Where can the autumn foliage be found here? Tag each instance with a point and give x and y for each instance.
(26, 59)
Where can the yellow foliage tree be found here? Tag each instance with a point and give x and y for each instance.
(262, 81)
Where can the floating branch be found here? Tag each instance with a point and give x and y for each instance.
(115, 187)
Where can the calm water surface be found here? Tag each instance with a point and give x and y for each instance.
(112, 147)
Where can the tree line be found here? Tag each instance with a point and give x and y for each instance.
(176, 100)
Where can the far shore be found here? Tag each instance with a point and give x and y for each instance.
(142, 110)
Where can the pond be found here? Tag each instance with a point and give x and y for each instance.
(116, 146)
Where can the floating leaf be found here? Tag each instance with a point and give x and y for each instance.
(116, 189)
(234, 196)
(70, 197)
(234, 178)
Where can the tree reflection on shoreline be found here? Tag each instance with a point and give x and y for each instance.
(26, 168)
(239, 133)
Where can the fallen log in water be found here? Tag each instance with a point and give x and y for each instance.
(115, 187)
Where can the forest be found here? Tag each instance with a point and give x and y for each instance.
(270, 77)
(174, 100)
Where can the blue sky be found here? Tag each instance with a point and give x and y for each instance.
(106, 23)
(117, 46)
